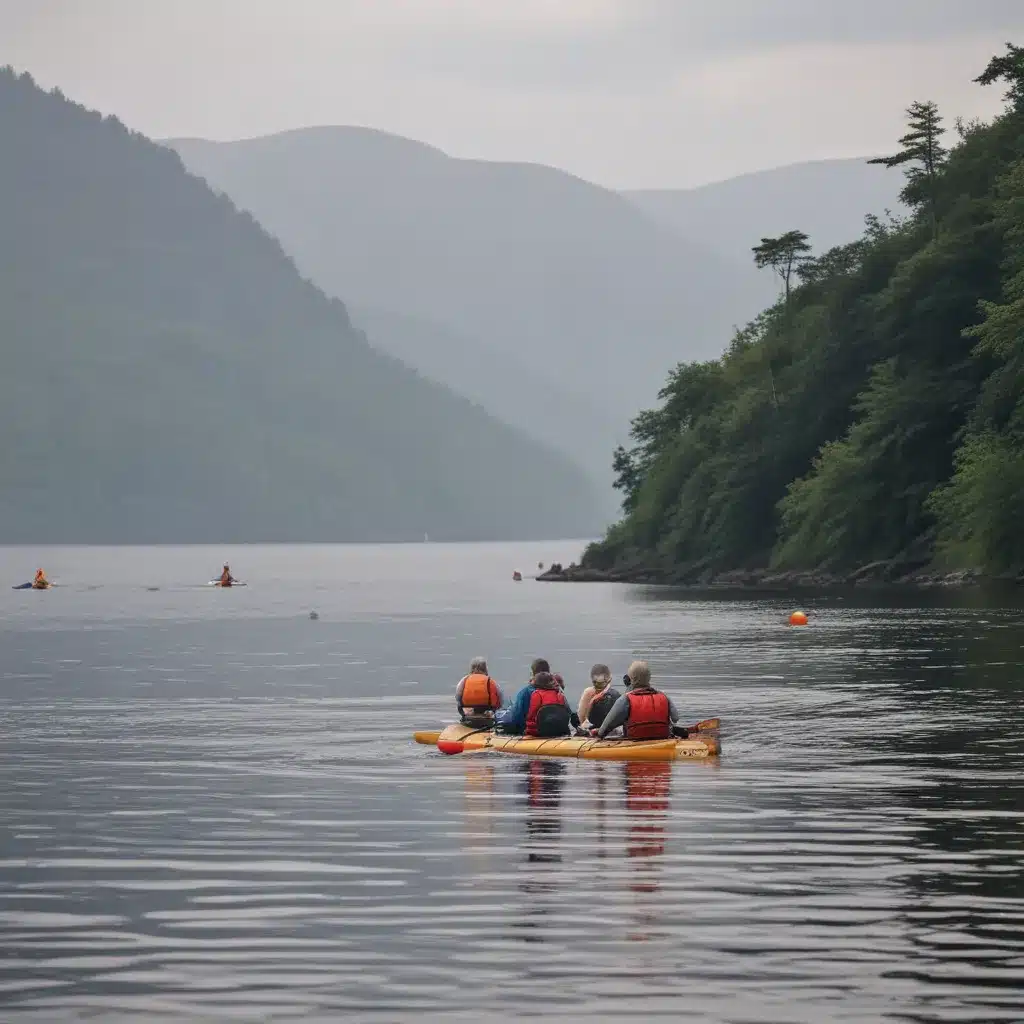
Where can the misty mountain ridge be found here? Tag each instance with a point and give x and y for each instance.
(571, 280)
(523, 286)
(169, 375)
(826, 199)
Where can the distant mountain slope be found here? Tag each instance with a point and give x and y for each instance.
(168, 375)
(570, 279)
(828, 199)
(500, 383)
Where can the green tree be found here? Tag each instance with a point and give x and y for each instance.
(1009, 68)
(922, 150)
(875, 415)
(784, 255)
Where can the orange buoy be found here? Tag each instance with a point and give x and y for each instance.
(798, 619)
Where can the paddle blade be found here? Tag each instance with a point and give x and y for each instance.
(426, 738)
(706, 725)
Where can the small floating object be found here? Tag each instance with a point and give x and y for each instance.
(517, 576)
(798, 619)
(314, 616)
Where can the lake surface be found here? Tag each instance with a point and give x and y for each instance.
(211, 807)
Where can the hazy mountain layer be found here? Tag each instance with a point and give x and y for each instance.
(169, 376)
(571, 280)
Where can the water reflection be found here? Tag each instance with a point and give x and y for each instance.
(539, 785)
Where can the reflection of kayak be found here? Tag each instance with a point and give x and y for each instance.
(457, 739)
(217, 583)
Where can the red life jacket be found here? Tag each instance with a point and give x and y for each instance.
(648, 716)
(542, 698)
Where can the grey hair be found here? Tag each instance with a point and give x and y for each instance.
(639, 673)
(478, 665)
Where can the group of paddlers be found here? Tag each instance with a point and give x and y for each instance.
(541, 708)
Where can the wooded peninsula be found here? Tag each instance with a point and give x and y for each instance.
(870, 424)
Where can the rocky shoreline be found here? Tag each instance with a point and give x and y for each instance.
(877, 574)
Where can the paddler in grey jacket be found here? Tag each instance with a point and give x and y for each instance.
(639, 675)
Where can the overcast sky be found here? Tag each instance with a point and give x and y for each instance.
(627, 93)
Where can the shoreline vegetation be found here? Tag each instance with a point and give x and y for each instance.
(874, 574)
(869, 427)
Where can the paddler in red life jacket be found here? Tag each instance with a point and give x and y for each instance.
(548, 714)
(226, 579)
(478, 696)
(645, 713)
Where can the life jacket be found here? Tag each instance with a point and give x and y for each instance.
(548, 715)
(601, 705)
(648, 715)
(480, 693)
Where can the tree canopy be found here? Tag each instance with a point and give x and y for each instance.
(876, 412)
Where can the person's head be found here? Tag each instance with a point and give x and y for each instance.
(639, 673)
(539, 665)
(600, 676)
(478, 666)
(545, 681)
(559, 681)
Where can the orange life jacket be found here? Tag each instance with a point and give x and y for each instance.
(648, 715)
(480, 692)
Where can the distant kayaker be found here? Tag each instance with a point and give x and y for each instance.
(598, 698)
(548, 714)
(646, 713)
(226, 579)
(40, 582)
(478, 696)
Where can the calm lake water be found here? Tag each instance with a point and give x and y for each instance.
(211, 807)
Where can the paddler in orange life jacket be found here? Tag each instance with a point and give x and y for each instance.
(645, 713)
(478, 696)
(40, 582)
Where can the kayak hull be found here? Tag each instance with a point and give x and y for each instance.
(458, 739)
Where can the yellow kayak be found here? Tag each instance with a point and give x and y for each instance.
(458, 739)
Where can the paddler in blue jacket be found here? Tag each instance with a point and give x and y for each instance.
(512, 719)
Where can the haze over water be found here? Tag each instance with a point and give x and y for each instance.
(211, 806)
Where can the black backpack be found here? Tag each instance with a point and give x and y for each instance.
(600, 707)
(552, 721)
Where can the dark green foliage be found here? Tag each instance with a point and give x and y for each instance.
(922, 154)
(1009, 68)
(878, 413)
(785, 255)
(168, 375)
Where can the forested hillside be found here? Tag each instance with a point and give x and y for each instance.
(875, 414)
(169, 376)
